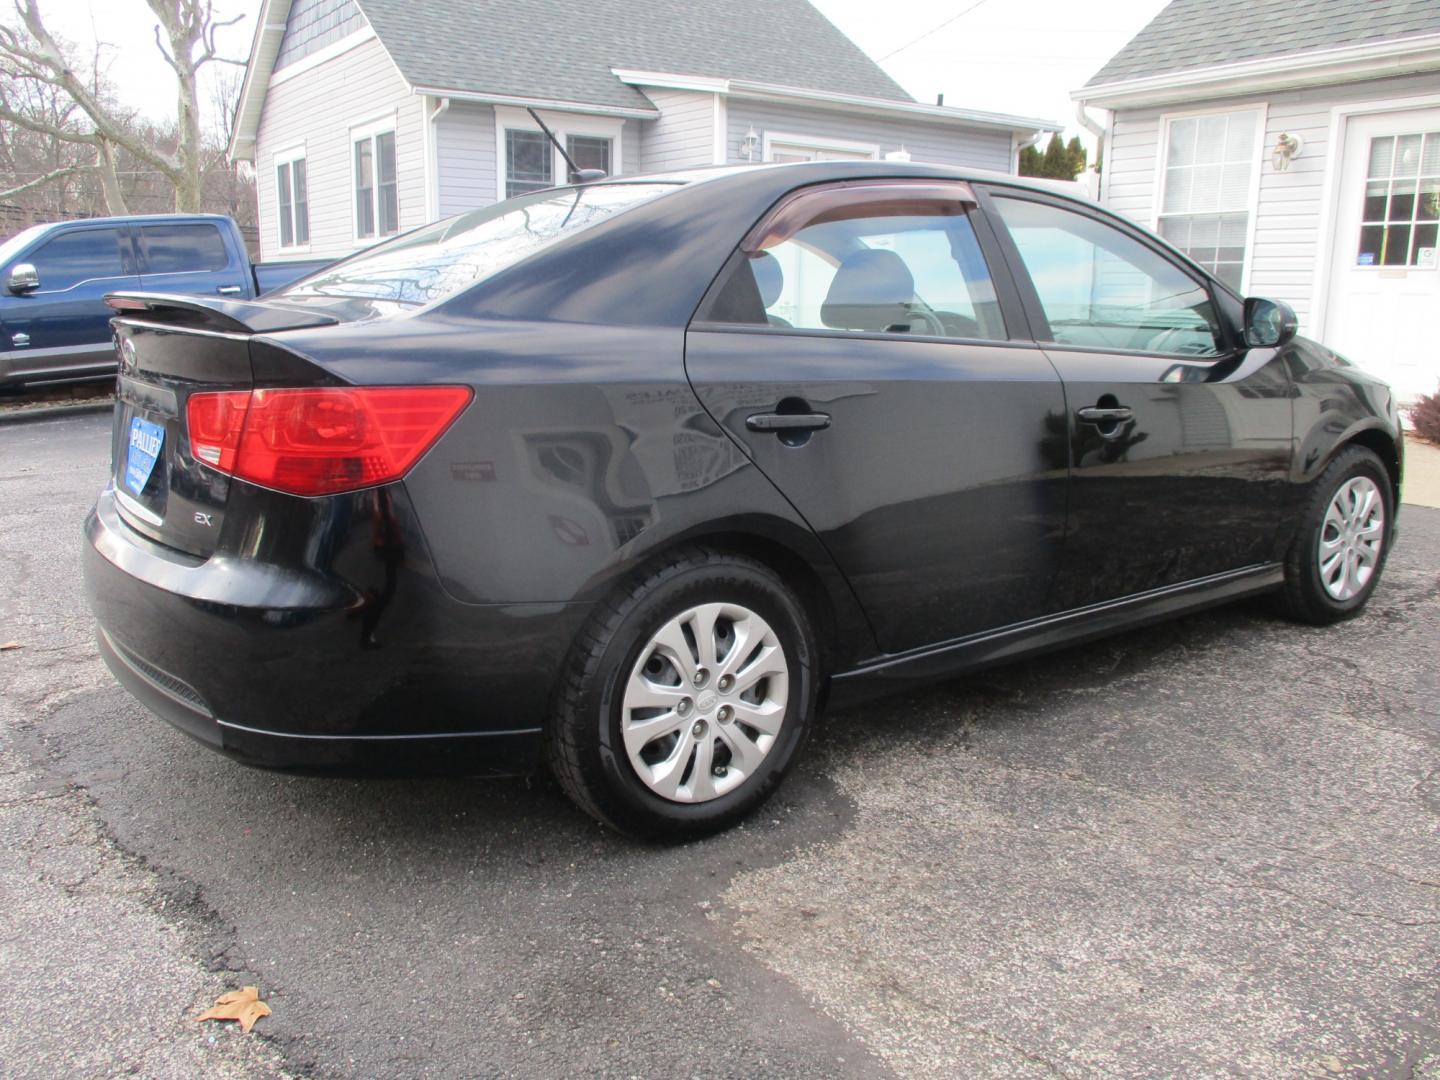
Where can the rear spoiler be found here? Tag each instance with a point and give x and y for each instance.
(224, 316)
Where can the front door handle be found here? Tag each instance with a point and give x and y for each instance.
(229, 290)
(775, 421)
(1092, 414)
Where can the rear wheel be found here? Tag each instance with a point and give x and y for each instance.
(1339, 551)
(686, 699)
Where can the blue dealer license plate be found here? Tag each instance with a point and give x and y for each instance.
(146, 439)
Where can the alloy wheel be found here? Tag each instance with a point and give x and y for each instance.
(1351, 538)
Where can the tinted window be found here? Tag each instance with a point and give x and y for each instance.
(73, 257)
(910, 266)
(1101, 288)
(178, 249)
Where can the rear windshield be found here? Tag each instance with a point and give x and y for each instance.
(438, 260)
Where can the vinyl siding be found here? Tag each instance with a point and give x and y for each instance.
(313, 24)
(684, 135)
(1285, 254)
(316, 109)
(937, 143)
(465, 158)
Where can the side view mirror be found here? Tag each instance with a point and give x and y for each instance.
(23, 279)
(1269, 323)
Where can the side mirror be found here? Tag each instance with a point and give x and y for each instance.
(23, 279)
(1269, 323)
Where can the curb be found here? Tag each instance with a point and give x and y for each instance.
(53, 412)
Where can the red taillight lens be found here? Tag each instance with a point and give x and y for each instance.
(323, 440)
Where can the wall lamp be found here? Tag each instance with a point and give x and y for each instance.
(1287, 149)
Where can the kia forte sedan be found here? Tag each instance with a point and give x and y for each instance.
(630, 478)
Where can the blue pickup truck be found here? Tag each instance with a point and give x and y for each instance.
(54, 325)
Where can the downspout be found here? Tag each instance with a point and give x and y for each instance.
(1017, 145)
(432, 189)
(1102, 145)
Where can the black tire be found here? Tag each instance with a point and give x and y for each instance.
(583, 741)
(1304, 597)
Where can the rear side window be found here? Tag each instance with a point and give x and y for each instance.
(75, 257)
(179, 249)
(901, 265)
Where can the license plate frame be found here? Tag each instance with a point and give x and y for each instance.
(144, 444)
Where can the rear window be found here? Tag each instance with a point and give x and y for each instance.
(439, 260)
(178, 249)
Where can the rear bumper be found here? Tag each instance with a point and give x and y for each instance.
(307, 676)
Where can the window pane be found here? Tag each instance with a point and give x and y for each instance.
(385, 157)
(1382, 155)
(1182, 142)
(388, 193)
(1430, 158)
(529, 162)
(1424, 238)
(1407, 155)
(1428, 207)
(364, 188)
(1377, 193)
(1402, 201)
(589, 152)
(74, 257)
(1101, 288)
(286, 209)
(302, 203)
(1396, 248)
(1178, 184)
(1240, 137)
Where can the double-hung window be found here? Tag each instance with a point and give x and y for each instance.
(377, 203)
(292, 199)
(1209, 172)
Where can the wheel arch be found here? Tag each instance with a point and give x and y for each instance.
(1383, 446)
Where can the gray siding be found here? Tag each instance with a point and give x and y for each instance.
(684, 135)
(465, 158)
(317, 109)
(938, 143)
(313, 24)
(1286, 250)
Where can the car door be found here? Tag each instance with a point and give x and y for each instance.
(189, 257)
(1180, 438)
(863, 355)
(64, 324)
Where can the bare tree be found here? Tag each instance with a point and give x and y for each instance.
(185, 35)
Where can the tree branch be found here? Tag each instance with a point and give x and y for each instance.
(40, 181)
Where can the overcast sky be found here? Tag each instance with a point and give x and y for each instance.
(1013, 56)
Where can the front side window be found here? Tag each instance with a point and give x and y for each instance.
(1205, 197)
(529, 162)
(179, 249)
(75, 257)
(1402, 201)
(293, 203)
(896, 265)
(1101, 288)
(377, 204)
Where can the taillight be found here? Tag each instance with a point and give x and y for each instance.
(321, 440)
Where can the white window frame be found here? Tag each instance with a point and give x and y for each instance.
(368, 129)
(1252, 205)
(289, 156)
(810, 142)
(561, 124)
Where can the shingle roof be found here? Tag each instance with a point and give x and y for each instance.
(564, 50)
(1209, 33)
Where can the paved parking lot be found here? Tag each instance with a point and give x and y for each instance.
(1211, 848)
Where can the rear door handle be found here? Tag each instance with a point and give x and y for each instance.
(1092, 414)
(788, 421)
(228, 290)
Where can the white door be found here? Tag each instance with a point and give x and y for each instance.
(1384, 305)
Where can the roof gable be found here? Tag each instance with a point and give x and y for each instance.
(1192, 34)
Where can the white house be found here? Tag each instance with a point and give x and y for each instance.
(367, 117)
(1294, 149)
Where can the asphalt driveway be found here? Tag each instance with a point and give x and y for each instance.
(1210, 848)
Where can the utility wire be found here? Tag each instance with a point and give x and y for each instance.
(928, 33)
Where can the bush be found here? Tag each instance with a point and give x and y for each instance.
(1425, 417)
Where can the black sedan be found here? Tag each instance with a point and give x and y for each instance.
(631, 477)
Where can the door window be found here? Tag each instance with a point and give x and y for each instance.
(182, 249)
(903, 266)
(79, 256)
(1402, 201)
(1101, 288)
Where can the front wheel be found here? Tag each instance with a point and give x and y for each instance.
(686, 699)
(1339, 550)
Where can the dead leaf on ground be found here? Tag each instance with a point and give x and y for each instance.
(243, 1005)
(11, 645)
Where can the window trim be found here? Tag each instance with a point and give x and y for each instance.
(509, 118)
(369, 129)
(870, 151)
(1039, 323)
(1261, 111)
(289, 156)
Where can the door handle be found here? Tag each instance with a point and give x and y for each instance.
(228, 290)
(1092, 414)
(788, 421)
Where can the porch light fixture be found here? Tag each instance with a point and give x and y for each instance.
(750, 143)
(1287, 149)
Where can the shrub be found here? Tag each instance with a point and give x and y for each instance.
(1425, 417)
